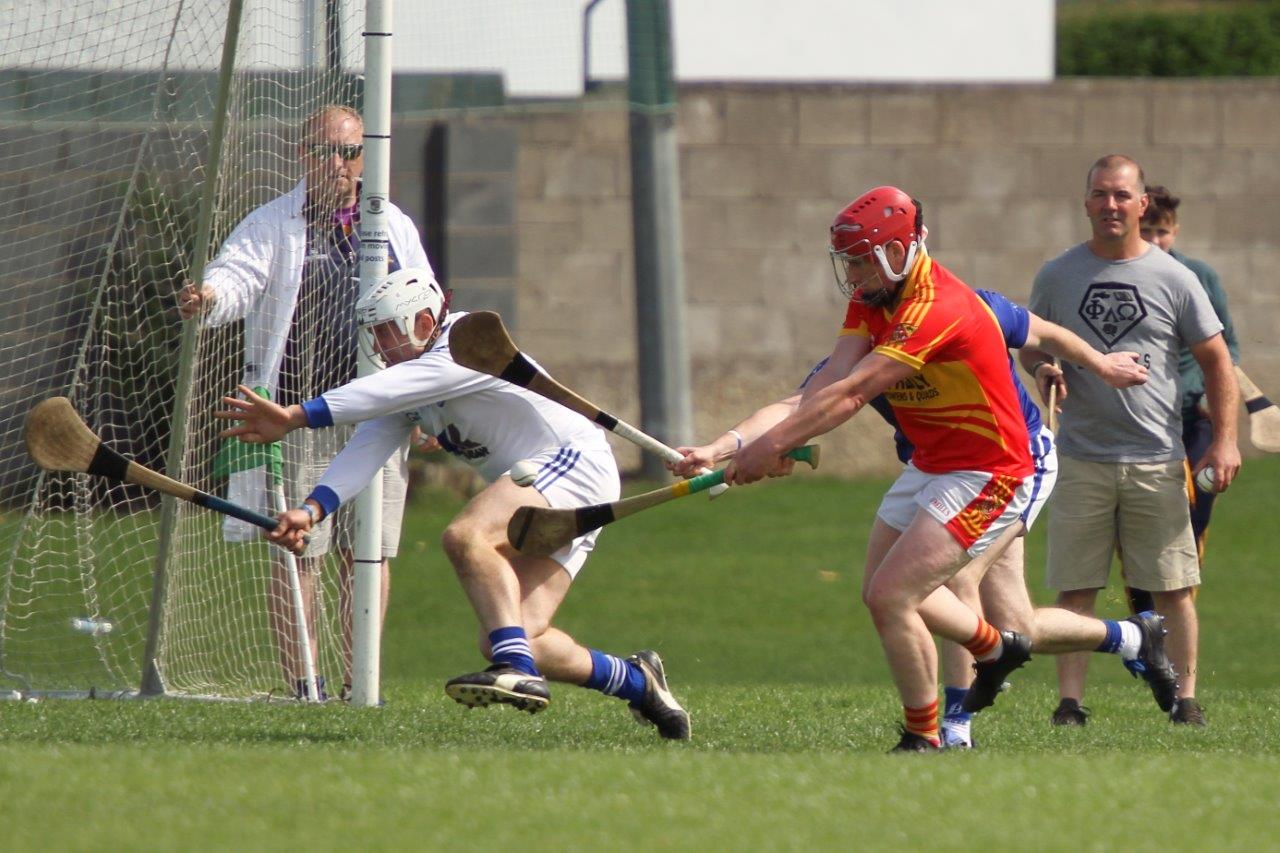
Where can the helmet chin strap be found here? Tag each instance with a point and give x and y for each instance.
(878, 251)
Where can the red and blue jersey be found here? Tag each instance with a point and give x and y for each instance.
(961, 410)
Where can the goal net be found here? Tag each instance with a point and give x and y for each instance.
(107, 113)
(108, 203)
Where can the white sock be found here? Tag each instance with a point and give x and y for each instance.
(1130, 640)
(956, 732)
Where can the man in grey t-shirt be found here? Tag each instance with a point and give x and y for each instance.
(1123, 471)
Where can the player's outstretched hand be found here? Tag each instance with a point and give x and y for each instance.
(294, 525)
(755, 461)
(261, 421)
(696, 459)
(1122, 369)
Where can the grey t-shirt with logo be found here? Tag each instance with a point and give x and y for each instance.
(1150, 305)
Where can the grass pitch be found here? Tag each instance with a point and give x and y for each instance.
(752, 602)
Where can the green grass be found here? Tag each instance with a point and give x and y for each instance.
(752, 602)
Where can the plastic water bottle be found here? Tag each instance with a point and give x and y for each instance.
(96, 627)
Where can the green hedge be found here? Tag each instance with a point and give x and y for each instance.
(1239, 41)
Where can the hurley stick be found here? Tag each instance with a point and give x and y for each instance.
(480, 342)
(58, 440)
(542, 531)
(1264, 416)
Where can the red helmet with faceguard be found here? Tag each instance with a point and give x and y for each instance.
(862, 230)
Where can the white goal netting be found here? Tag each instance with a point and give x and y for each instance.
(106, 116)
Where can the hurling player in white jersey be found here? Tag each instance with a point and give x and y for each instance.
(490, 424)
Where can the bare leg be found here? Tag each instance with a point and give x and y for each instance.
(957, 663)
(1073, 668)
(1053, 630)
(923, 557)
(476, 544)
(544, 584)
(1005, 601)
(1179, 610)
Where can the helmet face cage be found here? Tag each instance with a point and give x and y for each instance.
(399, 298)
(851, 263)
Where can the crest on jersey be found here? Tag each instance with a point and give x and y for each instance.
(1112, 310)
(901, 332)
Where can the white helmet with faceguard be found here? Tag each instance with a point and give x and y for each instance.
(858, 237)
(400, 298)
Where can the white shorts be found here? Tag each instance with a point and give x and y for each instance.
(1044, 454)
(307, 454)
(571, 477)
(974, 506)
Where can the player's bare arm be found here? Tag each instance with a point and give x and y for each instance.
(819, 414)
(1222, 391)
(848, 351)
(261, 421)
(728, 443)
(1117, 369)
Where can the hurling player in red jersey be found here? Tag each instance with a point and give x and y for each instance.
(918, 334)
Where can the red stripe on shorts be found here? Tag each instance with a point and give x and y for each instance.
(970, 523)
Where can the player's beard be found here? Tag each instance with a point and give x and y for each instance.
(882, 298)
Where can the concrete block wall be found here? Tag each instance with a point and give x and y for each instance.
(764, 168)
(538, 214)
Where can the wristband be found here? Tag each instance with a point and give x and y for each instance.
(737, 436)
(311, 511)
(1035, 371)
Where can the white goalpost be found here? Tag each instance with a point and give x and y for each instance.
(114, 195)
(366, 592)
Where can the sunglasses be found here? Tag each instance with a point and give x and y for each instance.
(325, 150)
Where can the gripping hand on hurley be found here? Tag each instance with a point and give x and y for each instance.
(295, 524)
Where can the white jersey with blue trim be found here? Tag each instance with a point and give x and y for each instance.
(486, 422)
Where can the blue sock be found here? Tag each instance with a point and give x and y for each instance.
(953, 696)
(615, 677)
(1111, 644)
(510, 646)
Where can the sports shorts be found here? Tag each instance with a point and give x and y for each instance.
(974, 506)
(574, 476)
(1044, 455)
(1141, 506)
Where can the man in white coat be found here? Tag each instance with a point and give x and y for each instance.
(287, 270)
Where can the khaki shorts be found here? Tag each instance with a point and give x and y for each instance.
(307, 453)
(1140, 506)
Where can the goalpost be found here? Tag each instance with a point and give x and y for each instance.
(110, 124)
(112, 115)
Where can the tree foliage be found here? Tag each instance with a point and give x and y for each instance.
(1233, 41)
